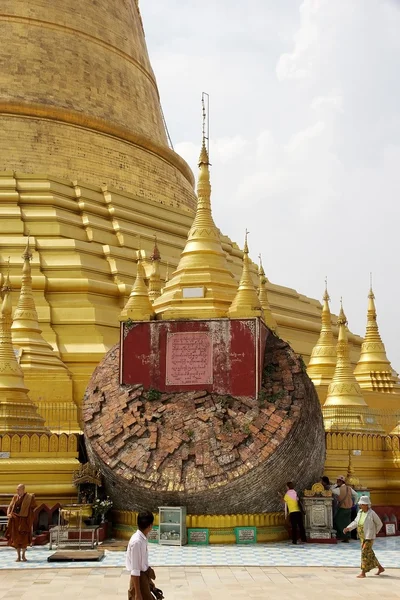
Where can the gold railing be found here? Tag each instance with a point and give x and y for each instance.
(354, 441)
(358, 419)
(59, 417)
(20, 443)
(126, 517)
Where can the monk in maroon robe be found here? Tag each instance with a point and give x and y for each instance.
(20, 521)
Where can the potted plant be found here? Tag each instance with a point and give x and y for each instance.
(100, 508)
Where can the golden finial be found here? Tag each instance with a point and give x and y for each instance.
(139, 249)
(263, 296)
(373, 370)
(342, 319)
(260, 265)
(6, 287)
(326, 296)
(321, 366)
(155, 279)
(351, 478)
(167, 273)
(246, 302)
(138, 307)
(202, 286)
(27, 255)
(155, 255)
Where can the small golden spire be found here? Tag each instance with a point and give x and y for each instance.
(26, 332)
(323, 356)
(374, 371)
(343, 389)
(269, 318)
(17, 412)
(155, 279)
(138, 307)
(167, 273)
(246, 302)
(43, 369)
(345, 408)
(202, 287)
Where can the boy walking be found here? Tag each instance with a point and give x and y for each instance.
(137, 561)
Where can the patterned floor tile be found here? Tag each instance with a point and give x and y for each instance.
(281, 554)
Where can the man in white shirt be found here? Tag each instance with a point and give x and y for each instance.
(137, 561)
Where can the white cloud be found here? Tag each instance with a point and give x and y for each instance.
(298, 64)
(300, 139)
(327, 103)
(305, 135)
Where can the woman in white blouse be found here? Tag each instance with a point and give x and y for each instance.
(368, 526)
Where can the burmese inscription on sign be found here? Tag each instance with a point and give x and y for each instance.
(246, 535)
(152, 537)
(189, 358)
(320, 535)
(390, 528)
(198, 536)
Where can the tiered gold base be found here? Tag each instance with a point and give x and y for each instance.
(44, 463)
(377, 466)
(270, 526)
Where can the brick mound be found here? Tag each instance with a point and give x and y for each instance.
(214, 454)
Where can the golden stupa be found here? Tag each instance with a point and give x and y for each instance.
(374, 371)
(48, 379)
(138, 307)
(89, 173)
(246, 302)
(321, 366)
(202, 285)
(343, 389)
(18, 414)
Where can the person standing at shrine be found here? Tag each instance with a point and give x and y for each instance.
(345, 497)
(137, 560)
(292, 505)
(368, 526)
(20, 515)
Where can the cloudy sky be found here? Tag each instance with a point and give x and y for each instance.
(305, 135)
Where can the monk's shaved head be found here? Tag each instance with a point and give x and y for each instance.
(21, 488)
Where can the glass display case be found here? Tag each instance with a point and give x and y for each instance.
(172, 526)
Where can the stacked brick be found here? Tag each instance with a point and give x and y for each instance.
(214, 454)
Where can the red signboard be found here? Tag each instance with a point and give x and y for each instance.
(218, 355)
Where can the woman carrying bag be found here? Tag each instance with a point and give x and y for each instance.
(368, 525)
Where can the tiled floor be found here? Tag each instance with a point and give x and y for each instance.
(201, 583)
(260, 555)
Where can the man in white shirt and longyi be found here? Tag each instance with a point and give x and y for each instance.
(137, 561)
